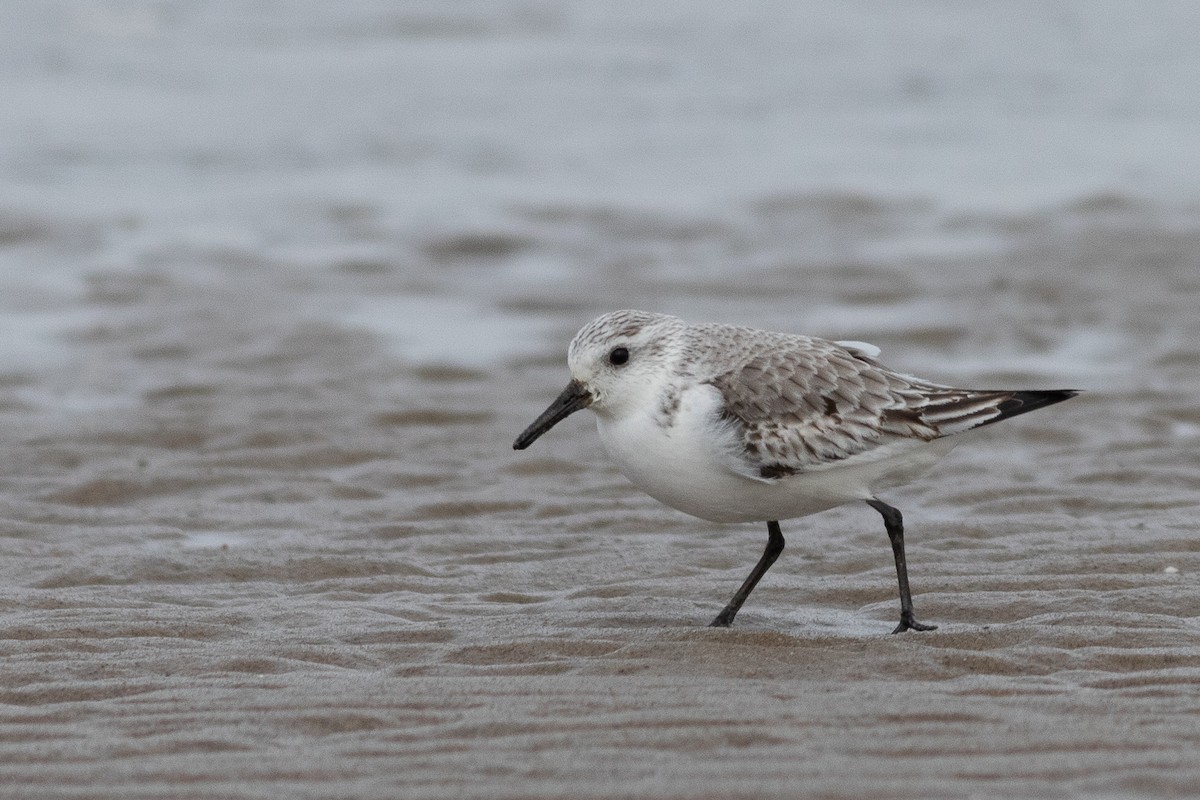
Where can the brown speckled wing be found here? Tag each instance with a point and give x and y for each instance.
(804, 403)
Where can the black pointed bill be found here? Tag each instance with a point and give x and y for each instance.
(572, 399)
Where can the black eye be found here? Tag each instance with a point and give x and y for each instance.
(618, 356)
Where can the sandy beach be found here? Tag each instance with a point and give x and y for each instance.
(262, 530)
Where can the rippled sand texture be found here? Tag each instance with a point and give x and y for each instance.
(262, 532)
(248, 552)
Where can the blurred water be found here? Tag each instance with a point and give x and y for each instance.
(240, 120)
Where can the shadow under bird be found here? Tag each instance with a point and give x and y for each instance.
(733, 424)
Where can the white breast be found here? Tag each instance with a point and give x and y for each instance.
(680, 464)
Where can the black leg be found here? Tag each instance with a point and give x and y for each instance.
(774, 548)
(895, 530)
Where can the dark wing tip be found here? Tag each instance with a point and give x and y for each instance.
(1026, 401)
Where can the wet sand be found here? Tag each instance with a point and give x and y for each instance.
(279, 287)
(251, 551)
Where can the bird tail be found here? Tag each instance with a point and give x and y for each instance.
(952, 411)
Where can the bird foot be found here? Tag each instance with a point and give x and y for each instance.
(909, 623)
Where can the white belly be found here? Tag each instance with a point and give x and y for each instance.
(687, 466)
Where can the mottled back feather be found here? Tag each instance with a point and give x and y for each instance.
(803, 404)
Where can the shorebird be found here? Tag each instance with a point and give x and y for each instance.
(733, 424)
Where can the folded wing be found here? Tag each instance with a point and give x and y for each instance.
(806, 404)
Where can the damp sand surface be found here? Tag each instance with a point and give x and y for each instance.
(247, 551)
(262, 532)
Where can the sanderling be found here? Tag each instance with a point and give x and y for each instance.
(733, 424)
